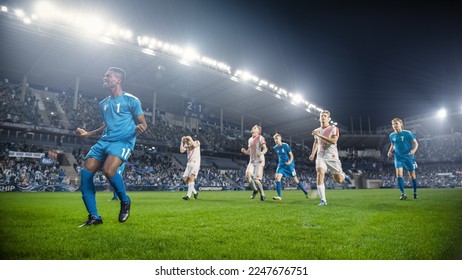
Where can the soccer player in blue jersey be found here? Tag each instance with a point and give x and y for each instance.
(403, 147)
(286, 166)
(123, 120)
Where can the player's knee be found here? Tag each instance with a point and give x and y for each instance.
(109, 172)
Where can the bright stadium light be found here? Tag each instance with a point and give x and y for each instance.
(19, 13)
(442, 113)
(4, 9)
(46, 10)
(297, 98)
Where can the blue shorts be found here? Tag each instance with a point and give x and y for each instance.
(286, 170)
(408, 163)
(120, 149)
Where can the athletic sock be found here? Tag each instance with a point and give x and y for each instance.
(322, 192)
(300, 186)
(252, 185)
(259, 187)
(191, 189)
(88, 192)
(414, 185)
(400, 184)
(117, 183)
(279, 188)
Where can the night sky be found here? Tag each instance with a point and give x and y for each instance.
(374, 59)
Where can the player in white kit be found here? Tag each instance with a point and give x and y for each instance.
(192, 147)
(325, 149)
(256, 149)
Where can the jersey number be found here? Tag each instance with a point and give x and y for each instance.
(118, 107)
(125, 153)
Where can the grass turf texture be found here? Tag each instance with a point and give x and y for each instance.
(356, 225)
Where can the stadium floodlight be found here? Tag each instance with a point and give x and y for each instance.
(297, 98)
(19, 13)
(27, 20)
(263, 83)
(190, 54)
(47, 10)
(4, 9)
(442, 113)
(246, 76)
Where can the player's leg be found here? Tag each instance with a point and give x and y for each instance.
(249, 176)
(278, 177)
(191, 188)
(258, 177)
(320, 173)
(186, 175)
(414, 182)
(321, 169)
(110, 166)
(337, 172)
(300, 186)
(88, 190)
(410, 165)
(400, 181)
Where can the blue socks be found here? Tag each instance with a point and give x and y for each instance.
(88, 192)
(300, 186)
(401, 184)
(117, 183)
(279, 188)
(414, 184)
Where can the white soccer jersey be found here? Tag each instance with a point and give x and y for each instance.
(194, 155)
(255, 146)
(325, 149)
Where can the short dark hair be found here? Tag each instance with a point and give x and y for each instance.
(120, 71)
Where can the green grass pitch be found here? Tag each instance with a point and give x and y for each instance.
(356, 225)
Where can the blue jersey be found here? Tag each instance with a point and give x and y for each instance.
(403, 143)
(120, 115)
(283, 154)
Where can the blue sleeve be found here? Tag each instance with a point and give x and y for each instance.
(135, 107)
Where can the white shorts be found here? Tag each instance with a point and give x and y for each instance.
(256, 170)
(191, 169)
(333, 165)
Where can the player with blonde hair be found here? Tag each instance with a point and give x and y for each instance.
(256, 149)
(327, 159)
(403, 147)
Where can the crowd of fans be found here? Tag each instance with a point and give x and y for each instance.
(28, 174)
(151, 165)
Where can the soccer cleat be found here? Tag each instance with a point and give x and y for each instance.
(403, 197)
(114, 198)
(323, 203)
(277, 198)
(262, 197)
(196, 195)
(124, 211)
(92, 220)
(254, 194)
(348, 179)
(186, 197)
(307, 196)
(415, 195)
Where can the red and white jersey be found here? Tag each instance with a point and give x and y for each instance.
(255, 146)
(326, 149)
(194, 155)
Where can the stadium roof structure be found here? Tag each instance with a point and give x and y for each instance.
(56, 56)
